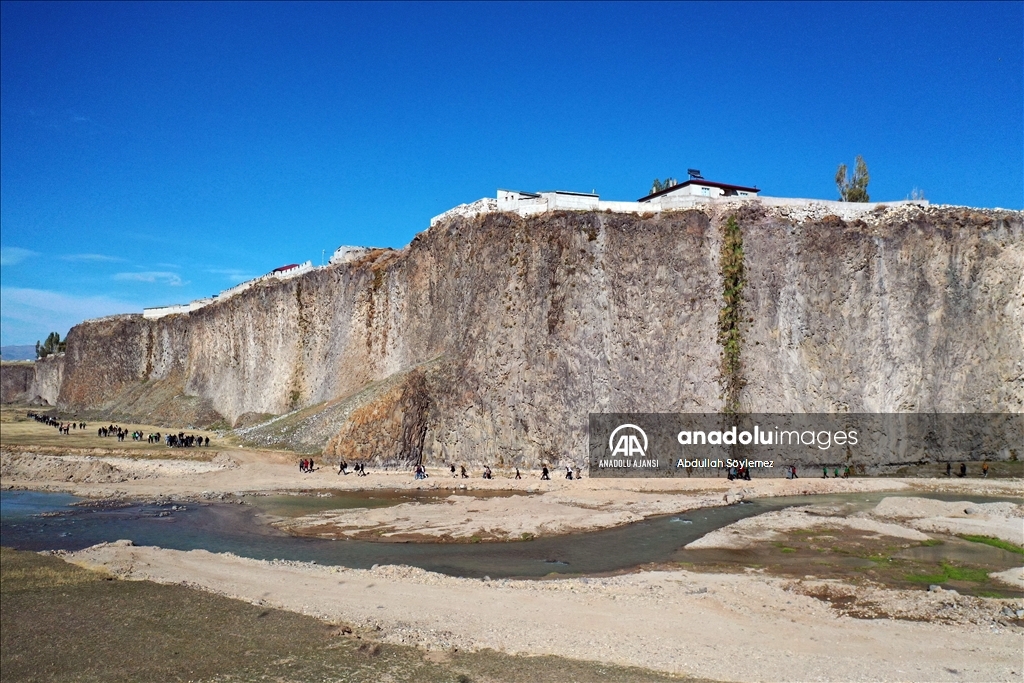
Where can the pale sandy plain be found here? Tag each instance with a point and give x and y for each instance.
(738, 627)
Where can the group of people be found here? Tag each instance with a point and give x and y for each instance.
(738, 473)
(179, 440)
(963, 469)
(112, 430)
(835, 472)
(62, 427)
(359, 468)
(307, 465)
(545, 474)
(182, 440)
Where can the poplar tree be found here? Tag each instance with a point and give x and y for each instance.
(853, 189)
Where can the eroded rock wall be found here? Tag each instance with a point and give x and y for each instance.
(37, 382)
(16, 382)
(512, 330)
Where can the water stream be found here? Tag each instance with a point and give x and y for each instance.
(50, 521)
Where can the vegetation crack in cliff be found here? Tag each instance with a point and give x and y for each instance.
(730, 336)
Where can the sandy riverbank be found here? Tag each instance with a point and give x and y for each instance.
(902, 517)
(722, 626)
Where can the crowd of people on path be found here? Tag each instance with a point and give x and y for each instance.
(179, 440)
(306, 465)
(62, 427)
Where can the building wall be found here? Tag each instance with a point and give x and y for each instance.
(177, 309)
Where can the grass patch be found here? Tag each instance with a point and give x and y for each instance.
(951, 572)
(994, 542)
(931, 542)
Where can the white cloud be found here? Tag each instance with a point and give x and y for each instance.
(90, 257)
(28, 315)
(163, 277)
(12, 256)
(234, 275)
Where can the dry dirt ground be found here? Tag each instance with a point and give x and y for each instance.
(737, 627)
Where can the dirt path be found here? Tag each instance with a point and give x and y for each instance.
(726, 627)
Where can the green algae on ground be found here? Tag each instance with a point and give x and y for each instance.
(860, 557)
(994, 542)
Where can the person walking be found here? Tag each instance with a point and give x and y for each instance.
(984, 469)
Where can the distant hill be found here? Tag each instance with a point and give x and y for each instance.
(23, 352)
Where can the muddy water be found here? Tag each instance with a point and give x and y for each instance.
(38, 521)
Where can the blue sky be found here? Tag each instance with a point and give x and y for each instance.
(155, 153)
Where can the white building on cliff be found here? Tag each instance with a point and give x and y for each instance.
(693, 192)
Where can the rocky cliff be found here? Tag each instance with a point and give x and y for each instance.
(36, 382)
(491, 338)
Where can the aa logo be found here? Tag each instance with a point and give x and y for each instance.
(628, 445)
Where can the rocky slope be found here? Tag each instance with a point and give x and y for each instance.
(491, 338)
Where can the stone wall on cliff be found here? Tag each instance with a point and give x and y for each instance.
(491, 338)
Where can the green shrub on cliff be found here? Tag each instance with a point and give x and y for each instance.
(53, 344)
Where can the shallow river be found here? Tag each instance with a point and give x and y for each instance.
(50, 521)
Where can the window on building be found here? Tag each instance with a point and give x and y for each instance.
(706, 191)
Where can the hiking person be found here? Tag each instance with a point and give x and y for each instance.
(963, 469)
(518, 476)
(568, 472)
(463, 468)
(544, 474)
(824, 472)
(949, 469)
(984, 469)
(453, 470)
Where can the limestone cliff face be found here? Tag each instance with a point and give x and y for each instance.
(490, 339)
(37, 382)
(16, 382)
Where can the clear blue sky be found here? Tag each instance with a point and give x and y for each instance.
(154, 153)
